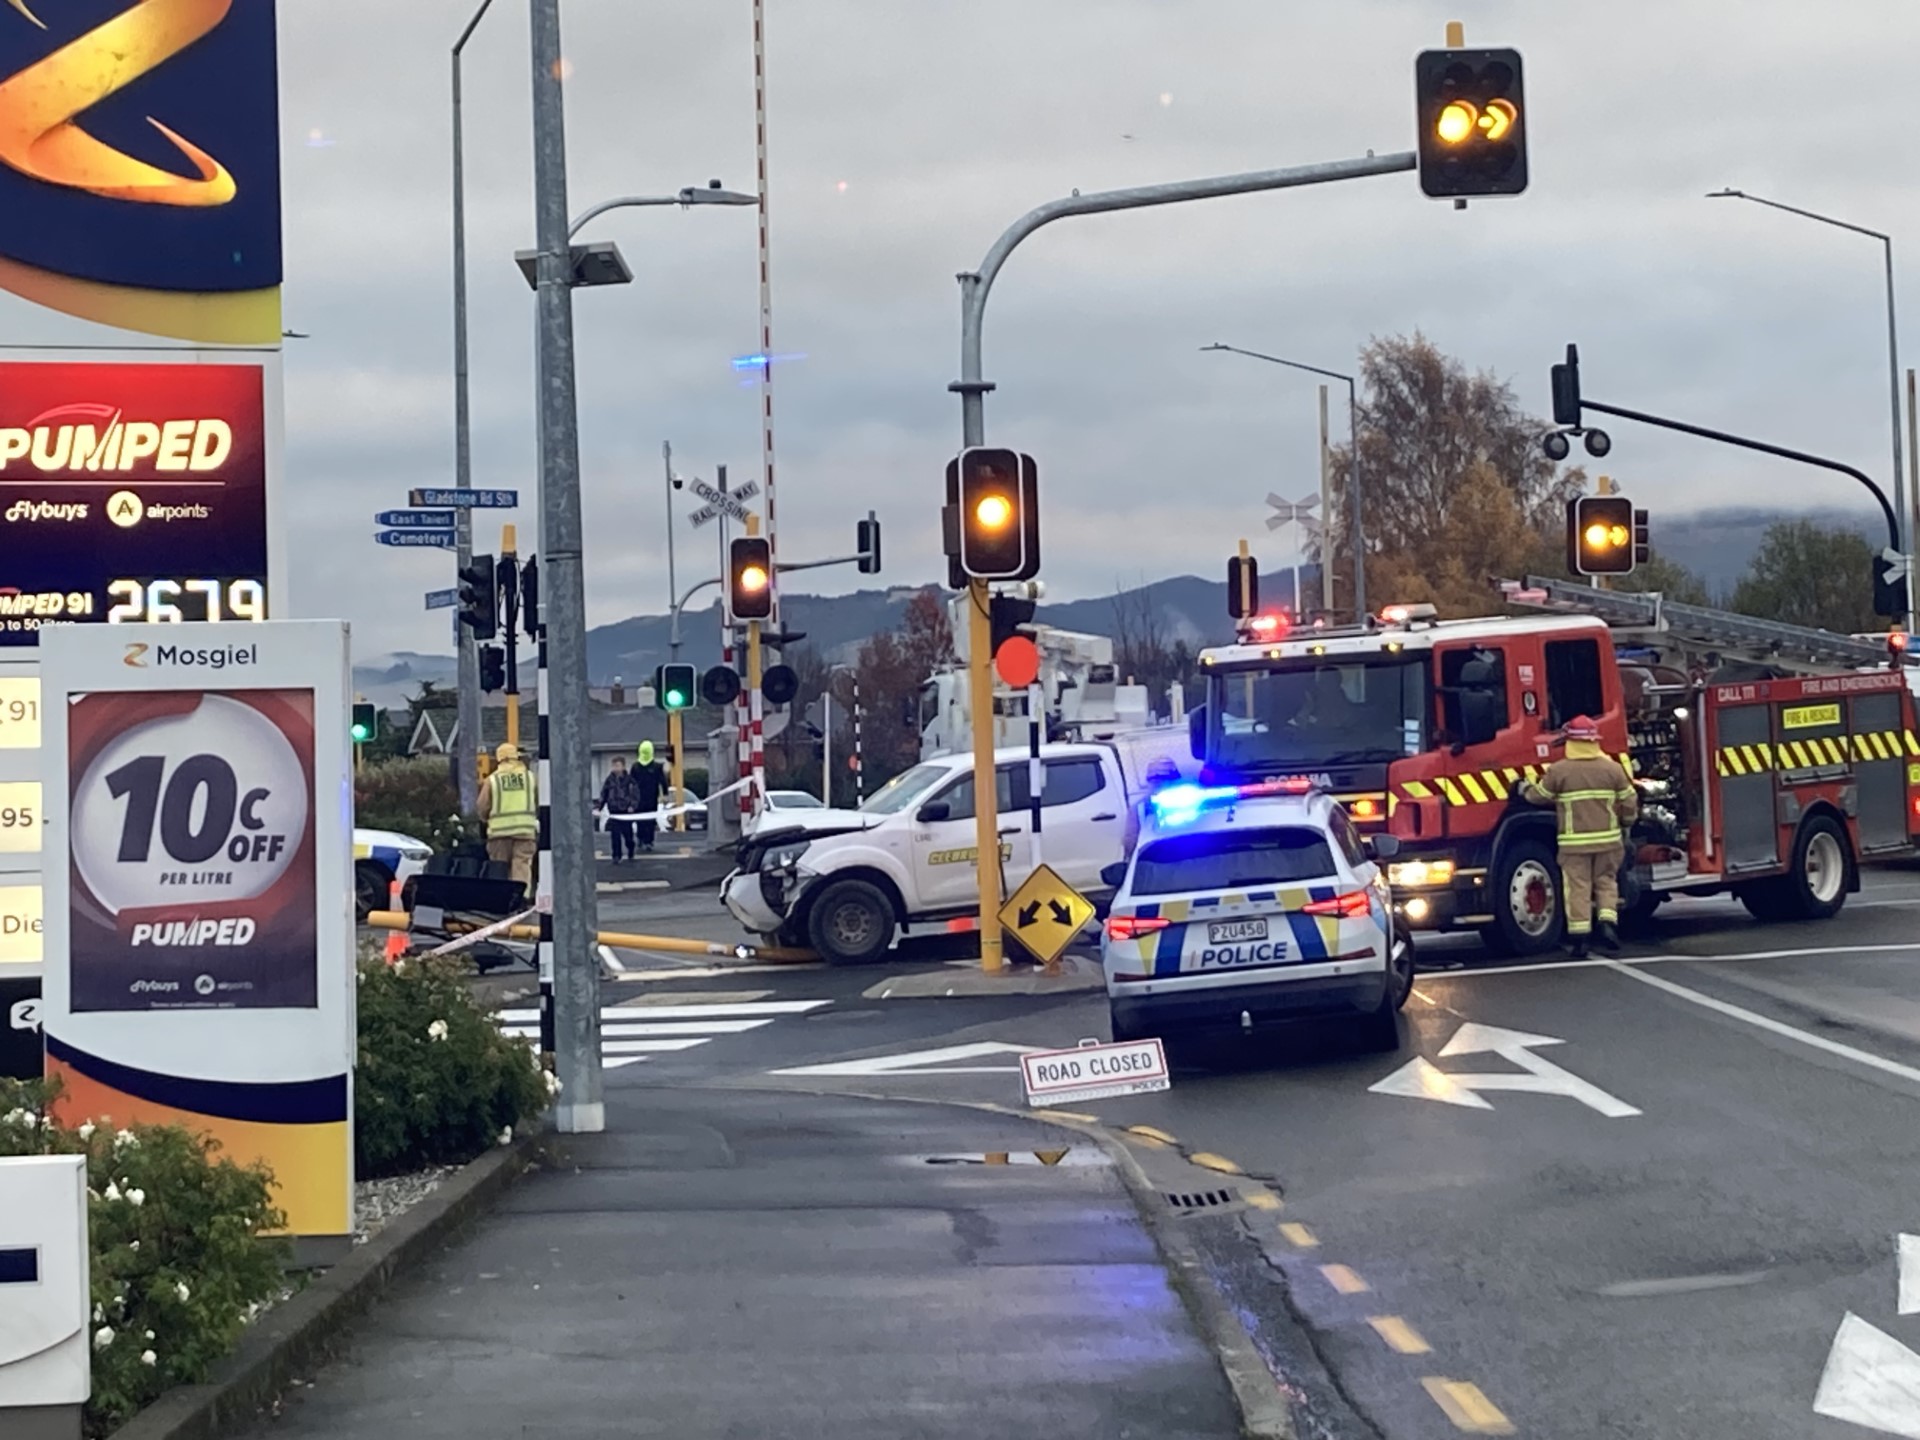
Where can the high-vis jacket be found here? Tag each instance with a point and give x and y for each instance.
(1591, 795)
(512, 812)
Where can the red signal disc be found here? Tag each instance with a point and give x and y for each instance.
(1017, 661)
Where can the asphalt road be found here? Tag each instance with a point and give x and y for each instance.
(1704, 1170)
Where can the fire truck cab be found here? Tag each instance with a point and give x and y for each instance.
(1769, 785)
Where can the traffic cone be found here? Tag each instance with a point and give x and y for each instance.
(397, 940)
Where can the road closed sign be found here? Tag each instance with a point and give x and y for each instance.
(1095, 1072)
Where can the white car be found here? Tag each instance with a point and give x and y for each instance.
(780, 807)
(381, 857)
(1245, 904)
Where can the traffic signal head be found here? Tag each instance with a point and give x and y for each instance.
(366, 722)
(480, 598)
(493, 669)
(867, 544)
(1005, 615)
(1889, 585)
(1473, 122)
(1565, 380)
(1243, 586)
(995, 497)
(750, 578)
(673, 686)
(1600, 535)
(530, 597)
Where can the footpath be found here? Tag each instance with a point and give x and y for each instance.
(726, 1265)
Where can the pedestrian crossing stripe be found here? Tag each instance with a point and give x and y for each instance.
(632, 1034)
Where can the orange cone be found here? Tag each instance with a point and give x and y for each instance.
(397, 940)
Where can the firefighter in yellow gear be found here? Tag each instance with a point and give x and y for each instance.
(1594, 801)
(510, 804)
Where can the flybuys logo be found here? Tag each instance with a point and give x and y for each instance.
(40, 107)
(93, 438)
(34, 510)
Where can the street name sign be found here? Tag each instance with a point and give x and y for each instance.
(428, 539)
(415, 519)
(465, 499)
(442, 599)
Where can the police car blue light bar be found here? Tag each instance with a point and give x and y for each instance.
(1180, 804)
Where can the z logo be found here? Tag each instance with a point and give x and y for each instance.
(39, 106)
(132, 657)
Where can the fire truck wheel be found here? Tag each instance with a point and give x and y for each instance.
(1525, 896)
(1815, 885)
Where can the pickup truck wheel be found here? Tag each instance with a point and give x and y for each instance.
(852, 923)
(1525, 896)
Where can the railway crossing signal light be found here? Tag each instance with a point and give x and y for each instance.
(720, 685)
(366, 722)
(493, 669)
(1472, 115)
(480, 598)
(750, 578)
(673, 686)
(993, 498)
(1601, 535)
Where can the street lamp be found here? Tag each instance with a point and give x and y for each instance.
(601, 262)
(1893, 367)
(468, 682)
(1353, 481)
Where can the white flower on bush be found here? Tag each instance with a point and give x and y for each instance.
(136, 1197)
(22, 1117)
(112, 1191)
(180, 1289)
(553, 1082)
(437, 1030)
(133, 1245)
(124, 1137)
(99, 1315)
(506, 1136)
(149, 1334)
(147, 1357)
(85, 1132)
(103, 1337)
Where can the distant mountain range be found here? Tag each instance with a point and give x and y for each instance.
(1715, 544)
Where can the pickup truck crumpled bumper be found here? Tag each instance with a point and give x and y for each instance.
(759, 901)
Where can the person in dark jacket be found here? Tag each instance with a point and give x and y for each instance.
(620, 796)
(650, 782)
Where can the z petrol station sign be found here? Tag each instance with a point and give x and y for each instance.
(131, 492)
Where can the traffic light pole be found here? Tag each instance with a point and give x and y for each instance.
(1886, 507)
(510, 631)
(972, 388)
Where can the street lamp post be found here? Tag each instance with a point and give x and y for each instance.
(1893, 368)
(1359, 539)
(468, 680)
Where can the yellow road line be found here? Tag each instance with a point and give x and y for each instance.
(1066, 1115)
(1399, 1335)
(1466, 1407)
(1208, 1161)
(1261, 1199)
(1345, 1279)
(1148, 1133)
(1300, 1235)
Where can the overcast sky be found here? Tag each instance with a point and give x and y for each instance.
(906, 134)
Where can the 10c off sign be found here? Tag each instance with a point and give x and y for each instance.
(191, 817)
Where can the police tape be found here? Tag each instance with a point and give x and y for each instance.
(474, 937)
(669, 811)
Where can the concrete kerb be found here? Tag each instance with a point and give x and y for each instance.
(301, 1333)
(1265, 1413)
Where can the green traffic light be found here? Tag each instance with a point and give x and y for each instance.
(361, 734)
(676, 700)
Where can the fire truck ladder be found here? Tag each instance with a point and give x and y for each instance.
(1697, 628)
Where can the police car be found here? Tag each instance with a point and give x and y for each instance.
(1244, 904)
(379, 858)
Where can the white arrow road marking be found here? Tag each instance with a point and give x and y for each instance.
(1909, 1274)
(1871, 1379)
(631, 1034)
(927, 1062)
(1421, 1079)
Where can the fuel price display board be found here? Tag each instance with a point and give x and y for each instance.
(131, 492)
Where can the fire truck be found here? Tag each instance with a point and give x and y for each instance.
(1770, 760)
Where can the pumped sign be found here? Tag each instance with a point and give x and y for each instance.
(131, 492)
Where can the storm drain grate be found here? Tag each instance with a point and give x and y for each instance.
(1200, 1200)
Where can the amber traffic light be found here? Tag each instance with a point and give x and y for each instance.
(994, 505)
(750, 578)
(1600, 535)
(1473, 122)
